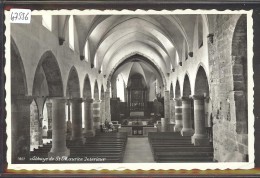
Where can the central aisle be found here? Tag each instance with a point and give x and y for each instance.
(138, 151)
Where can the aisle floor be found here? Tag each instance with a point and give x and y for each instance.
(138, 151)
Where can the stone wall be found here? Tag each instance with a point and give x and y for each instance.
(229, 143)
(34, 35)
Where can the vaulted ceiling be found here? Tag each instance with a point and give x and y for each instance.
(113, 38)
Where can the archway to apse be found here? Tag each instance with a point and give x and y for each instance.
(47, 84)
(239, 71)
(72, 92)
(20, 125)
(152, 84)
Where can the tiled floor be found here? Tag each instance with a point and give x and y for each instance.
(138, 151)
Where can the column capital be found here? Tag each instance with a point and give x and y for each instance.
(207, 98)
(185, 98)
(25, 99)
(79, 100)
(97, 101)
(88, 100)
(198, 97)
(59, 99)
(177, 99)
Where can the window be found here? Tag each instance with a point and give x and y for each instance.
(177, 58)
(47, 21)
(200, 32)
(71, 32)
(86, 50)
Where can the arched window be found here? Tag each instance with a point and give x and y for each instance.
(86, 50)
(71, 32)
(177, 58)
(47, 21)
(200, 32)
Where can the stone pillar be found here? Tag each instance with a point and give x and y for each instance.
(172, 111)
(114, 89)
(107, 106)
(102, 111)
(49, 113)
(167, 104)
(68, 123)
(186, 117)
(59, 147)
(165, 124)
(96, 114)
(200, 137)
(178, 115)
(76, 110)
(89, 131)
(20, 120)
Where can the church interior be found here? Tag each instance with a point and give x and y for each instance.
(129, 88)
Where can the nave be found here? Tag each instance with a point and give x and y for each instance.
(97, 85)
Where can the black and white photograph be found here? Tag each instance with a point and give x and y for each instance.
(130, 89)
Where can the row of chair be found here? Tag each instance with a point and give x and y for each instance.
(172, 147)
(103, 148)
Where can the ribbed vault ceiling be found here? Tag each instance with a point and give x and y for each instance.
(111, 39)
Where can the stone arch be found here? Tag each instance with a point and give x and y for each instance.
(177, 90)
(73, 86)
(171, 91)
(186, 86)
(96, 91)
(201, 82)
(87, 88)
(18, 77)
(239, 72)
(102, 93)
(149, 60)
(47, 78)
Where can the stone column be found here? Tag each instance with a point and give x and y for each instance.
(20, 128)
(102, 111)
(167, 104)
(165, 123)
(178, 115)
(186, 117)
(49, 113)
(59, 147)
(68, 122)
(76, 110)
(172, 111)
(107, 106)
(114, 89)
(89, 131)
(200, 137)
(96, 114)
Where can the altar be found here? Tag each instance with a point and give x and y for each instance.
(137, 113)
(137, 130)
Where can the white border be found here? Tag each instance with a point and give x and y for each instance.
(136, 166)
